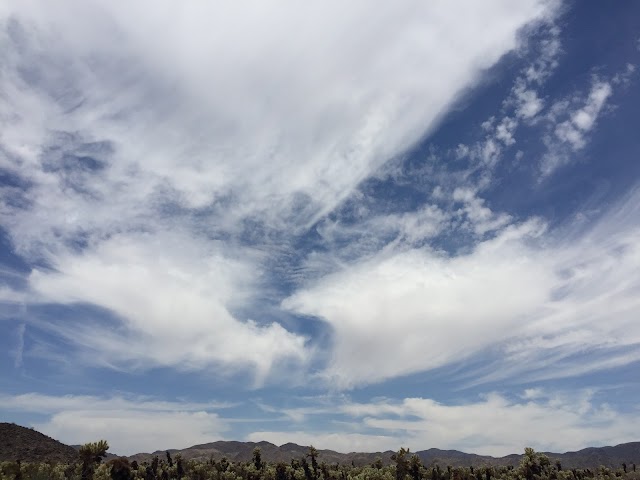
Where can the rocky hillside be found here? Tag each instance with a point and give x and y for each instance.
(20, 443)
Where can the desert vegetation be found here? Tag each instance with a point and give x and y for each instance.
(403, 466)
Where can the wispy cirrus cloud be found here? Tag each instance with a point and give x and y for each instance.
(206, 122)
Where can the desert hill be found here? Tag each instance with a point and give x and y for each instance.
(20, 443)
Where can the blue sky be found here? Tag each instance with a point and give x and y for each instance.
(324, 223)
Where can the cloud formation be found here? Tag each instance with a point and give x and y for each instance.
(582, 120)
(323, 197)
(494, 425)
(131, 424)
(571, 135)
(551, 304)
(159, 158)
(172, 306)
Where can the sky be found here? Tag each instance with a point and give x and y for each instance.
(328, 223)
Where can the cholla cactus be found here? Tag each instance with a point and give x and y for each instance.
(257, 458)
(415, 467)
(313, 455)
(91, 454)
(102, 472)
(94, 451)
(305, 467)
(402, 464)
(534, 464)
(179, 467)
(120, 469)
(281, 471)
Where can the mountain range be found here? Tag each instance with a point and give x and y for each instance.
(22, 443)
(242, 451)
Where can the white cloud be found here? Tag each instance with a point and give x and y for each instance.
(409, 227)
(416, 310)
(624, 78)
(521, 105)
(423, 224)
(571, 134)
(532, 393)
(18, 353)
(504, 131)
(566, 132)
(492, 425)
(174, 305)
(200, 119)
(529, 104)
(11, 295)
(547, 61)
(586, 116)
(462, 151)
(482, 220)
(478, 218)
(488, 124)
(134, 432)
(39, 403)
(214, 128)
(499, 426)
(541, 301)
(490, 153)
(465, 195)
(130, 425)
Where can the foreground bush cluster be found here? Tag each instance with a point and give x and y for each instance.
(533, 466)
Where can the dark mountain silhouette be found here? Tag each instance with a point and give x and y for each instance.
(20, 443)
(628, 453)
(242, 451)
(31, 446)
